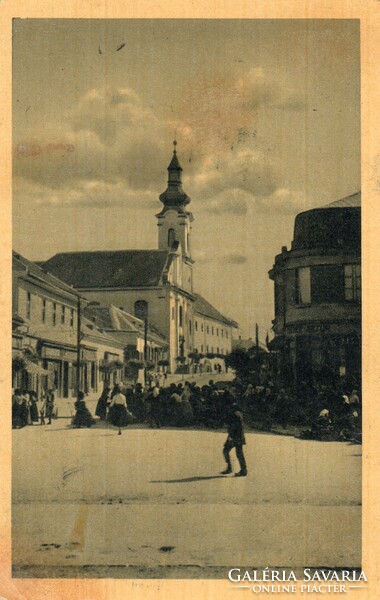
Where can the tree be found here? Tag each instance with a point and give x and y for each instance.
(239, 360)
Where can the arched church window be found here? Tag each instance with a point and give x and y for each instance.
(141, 309)
(171, 237)
(180, 316)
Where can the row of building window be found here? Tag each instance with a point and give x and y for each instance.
(211, 350)
(222, 332)
(59, 311)
(180, 323)
(328, 283)
(217, 350)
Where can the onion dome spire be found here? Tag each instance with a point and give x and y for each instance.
(174, 196)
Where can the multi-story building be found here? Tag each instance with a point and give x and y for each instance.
(317, 289)
(45, 334)
(213, 332)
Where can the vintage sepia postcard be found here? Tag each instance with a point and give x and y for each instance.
(189, 261)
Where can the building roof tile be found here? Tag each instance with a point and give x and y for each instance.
(31, 269)
(112, 318)
(206, 309)
(109, 269)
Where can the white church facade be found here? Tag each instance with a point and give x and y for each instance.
(156, 285)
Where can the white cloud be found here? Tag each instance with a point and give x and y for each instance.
(115, 148)
(111, 137)
(86, 193)
(246, 169)
(230, 201)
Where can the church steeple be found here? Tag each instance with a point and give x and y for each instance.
(174, 221)
(174, 196)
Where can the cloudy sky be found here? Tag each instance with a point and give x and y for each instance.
(266, 115)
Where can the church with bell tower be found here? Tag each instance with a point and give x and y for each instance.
(174, 220)
(154, 285)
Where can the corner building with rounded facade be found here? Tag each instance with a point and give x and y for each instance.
(317, 290)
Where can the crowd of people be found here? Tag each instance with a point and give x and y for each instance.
(318, 413)
(325, 412)
(177, 405)
(28, 409)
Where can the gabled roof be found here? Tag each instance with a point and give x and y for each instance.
(39, 274)
(91, 330)
(109, 269)
(206, 309)
(111, 318)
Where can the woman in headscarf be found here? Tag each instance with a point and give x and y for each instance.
(82, 417)
(102, 405)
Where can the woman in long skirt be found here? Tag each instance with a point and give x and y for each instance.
(101, 407)
(33, 407)
(19, 411)
(82, 417)
(118, 414)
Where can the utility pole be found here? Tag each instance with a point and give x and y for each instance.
(145, 348)
(145, 340)
(79, 339)
(78, 345)
(257, 340)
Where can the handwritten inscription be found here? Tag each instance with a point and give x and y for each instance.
(25, 150)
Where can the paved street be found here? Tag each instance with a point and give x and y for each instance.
(151, 503)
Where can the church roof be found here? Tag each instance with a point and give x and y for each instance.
(174, 163)
(203, 307)
(109, 269)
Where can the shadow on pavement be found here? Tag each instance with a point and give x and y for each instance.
(189, 479)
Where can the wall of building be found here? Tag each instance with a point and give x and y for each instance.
(211, 336)
(49, 337)
(39, 317)
(164, 306)
(180, 224)
(317, 299)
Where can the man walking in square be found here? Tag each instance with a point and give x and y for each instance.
(235, 438)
